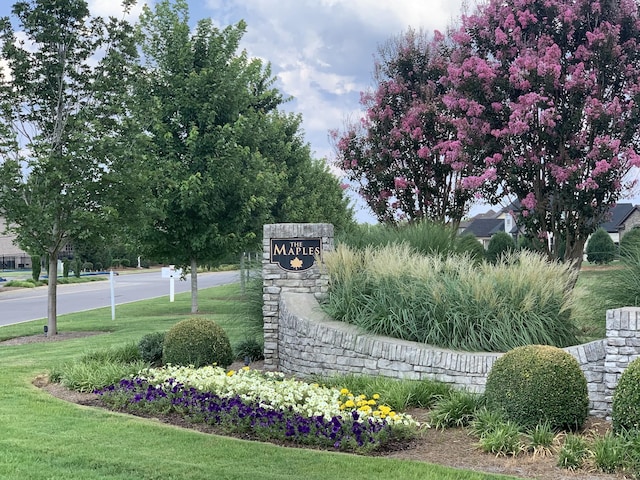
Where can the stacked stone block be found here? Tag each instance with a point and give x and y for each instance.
(622, 347)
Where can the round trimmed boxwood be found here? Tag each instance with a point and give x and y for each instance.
(536, 384)
(625, 412)
(197, 341)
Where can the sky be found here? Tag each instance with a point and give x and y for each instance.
(320, 51)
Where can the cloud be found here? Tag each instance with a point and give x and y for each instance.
(114, 8)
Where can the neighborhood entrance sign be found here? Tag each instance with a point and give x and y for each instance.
(295, 254)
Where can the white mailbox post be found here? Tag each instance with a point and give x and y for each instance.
(171, 272)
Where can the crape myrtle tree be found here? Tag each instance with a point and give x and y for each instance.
(68, 148)
(548, 92)
(405, 154)
(202, 98)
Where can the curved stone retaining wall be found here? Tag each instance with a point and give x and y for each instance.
(300, 339)
(310, 342)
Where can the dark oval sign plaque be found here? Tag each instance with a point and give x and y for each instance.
(295, 254)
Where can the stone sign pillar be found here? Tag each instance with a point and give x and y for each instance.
(291, 252)
(623, 347)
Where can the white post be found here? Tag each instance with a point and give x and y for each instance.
(171, 289)
(112, 281)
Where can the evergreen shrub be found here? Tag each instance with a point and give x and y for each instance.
(469, 244)
(500, 244)
(630, 243)
(625, 413)
(534, 384)
(150, 347)
(600, 248)
(36, 268)
(198, 342)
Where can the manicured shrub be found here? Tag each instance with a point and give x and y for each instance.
(600, 248)
(198, 342)
(66, 265)
(625, 413)
(538, 383)
(630, 243)
(500, 244)
(36, 268)
(87, 266)
(125, 262)
(150, 347)
(77, 267)
(469, 244)
(533, 244)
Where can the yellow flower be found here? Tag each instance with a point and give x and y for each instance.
(245, 368)
(371, 402)
(349, 404)
(230, 373)
(344, 391)
(376, 396)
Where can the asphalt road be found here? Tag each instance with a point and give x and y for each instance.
(25, 304)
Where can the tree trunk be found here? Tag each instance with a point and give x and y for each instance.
(52, 299)
(194, 286)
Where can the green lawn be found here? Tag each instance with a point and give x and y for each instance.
(42, 437)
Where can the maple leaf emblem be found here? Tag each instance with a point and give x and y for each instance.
(296, 263)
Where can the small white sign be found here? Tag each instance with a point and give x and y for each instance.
(171, 272)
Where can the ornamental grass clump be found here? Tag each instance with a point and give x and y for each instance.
(452, 301)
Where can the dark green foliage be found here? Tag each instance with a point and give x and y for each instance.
(125, 263)
(36, 268)
(87, 266)
(538, 383)
(601, 248)
(249, 350)
(625, 413)
(66, 265)
(622, 286)
(77, 267)
(500, 244)
(198, 342)
(630, 243)
(532, 244)
(150, 347)
(470, 245)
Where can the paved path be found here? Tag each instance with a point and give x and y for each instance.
(25, 304)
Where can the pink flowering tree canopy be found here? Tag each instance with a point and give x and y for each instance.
(547, 92)
(404, 154)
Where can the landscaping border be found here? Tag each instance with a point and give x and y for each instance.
(301, 339)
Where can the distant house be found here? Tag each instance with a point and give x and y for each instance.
(486, 225)
(11, 256)
(622, 218)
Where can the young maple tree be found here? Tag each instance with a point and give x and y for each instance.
(70, 160)
(405, 155)
(548, 92)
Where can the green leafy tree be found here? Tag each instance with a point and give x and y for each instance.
(600, 248)
(67, 146)
(201, 98)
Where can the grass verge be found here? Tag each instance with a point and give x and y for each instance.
(47, 438)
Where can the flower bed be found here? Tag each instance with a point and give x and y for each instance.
(266, 405)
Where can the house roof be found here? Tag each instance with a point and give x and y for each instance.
(485, 227)
(617, 216)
